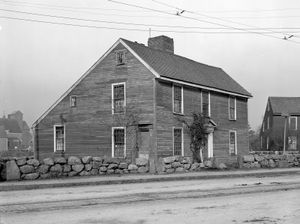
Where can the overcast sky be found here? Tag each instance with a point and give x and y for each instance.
(40, 61)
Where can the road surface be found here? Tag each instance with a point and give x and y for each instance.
(237, 200)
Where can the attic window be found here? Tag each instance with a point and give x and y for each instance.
(73, 101)
(120, 57)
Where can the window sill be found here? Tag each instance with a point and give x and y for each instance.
(232, 119)
(180, 114)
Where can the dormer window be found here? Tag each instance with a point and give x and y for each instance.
(120, 57)
(73, 101)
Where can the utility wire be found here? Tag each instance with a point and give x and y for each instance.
(119, 28)
(199, 20)
(216, 18)
(113, 22)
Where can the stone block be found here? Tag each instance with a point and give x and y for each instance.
(222, 166)
(132, 167)
(73, 160)
(72, 173)
(169, 159)
(27, 169)
(60, 160)
(97, 159)
(57, 168)
(21, 161)
(84, 173)
(283, 164)
(43, 169)
(179, 170)
(171, 170)
(248, 158)
(77, 167)
(103, 169)
(208, 164)
(187, 166)
(94, 172)
(176, 164)
(12, 170)
(45, 176)
(195, 166)
(86, 159)
(141, 161)
(110, 171)
(48, 161)
(67, 168)
(112, 166)
(123, 165)
(33, 162)
(143, 169)
(88, 167)
(96, 164)
(272, 163)
(31, 176)
(118, 171)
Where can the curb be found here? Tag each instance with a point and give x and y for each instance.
(144, 179)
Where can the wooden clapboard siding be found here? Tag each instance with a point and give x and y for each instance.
(89, 125)
(166, 120)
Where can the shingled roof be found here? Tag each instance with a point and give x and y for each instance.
(285, 105)
(11, 125)
(180, 68)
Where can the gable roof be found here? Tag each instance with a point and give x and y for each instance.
(176, 67)
(11, 125)
(171, 67)
(285, 105)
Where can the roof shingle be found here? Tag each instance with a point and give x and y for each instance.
(180, 68)
(285, 105)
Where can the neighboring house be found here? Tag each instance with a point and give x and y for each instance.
(3, 139)
(26, 135)
(281, 115)
(153, 87)
(13, 132)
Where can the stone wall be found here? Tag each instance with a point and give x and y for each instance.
(27, 168)
(262, 160)
(180, 164)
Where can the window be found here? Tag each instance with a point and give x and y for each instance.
(267, 142)
(292, 142)
(263, 126)
(118, 98)
(232, 143)
(59, 138)
(232, 108)
(261, 142)
(118, 142)
(205, 103)
(120, 57)
(73, 101)
(177, 99)
(268, 123)
(177, 142)
(293, 123)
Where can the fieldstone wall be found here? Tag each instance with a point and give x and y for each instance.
(262, 160)
(181, 164)
(28, 168)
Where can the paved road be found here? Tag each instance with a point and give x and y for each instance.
(238, 200)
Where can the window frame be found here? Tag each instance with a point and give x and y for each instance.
(208, 94)
(113, 141)
(296, 141)
(173, 99)
(182, 141)
(296, 122)
(235, 143)
(229, 107)
(123, 52)
(112, 97)
(73, 96)
(268, 123)
(54, 137)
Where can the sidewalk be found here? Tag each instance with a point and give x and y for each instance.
(136, 178)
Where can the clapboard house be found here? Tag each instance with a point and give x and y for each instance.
(150, 87)
(280, 124)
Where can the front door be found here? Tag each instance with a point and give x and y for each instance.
(210, 145)
(144, 143)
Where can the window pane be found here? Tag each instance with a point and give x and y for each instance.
(177, 141)
(119, 142)
(73, 101)
(59, 137)
(293, 123)
(205, 103)
(120, 57)
(119, 96)
(232, 140)
(231, 108)
(177, 99)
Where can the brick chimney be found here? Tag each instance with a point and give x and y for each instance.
(162, 43)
